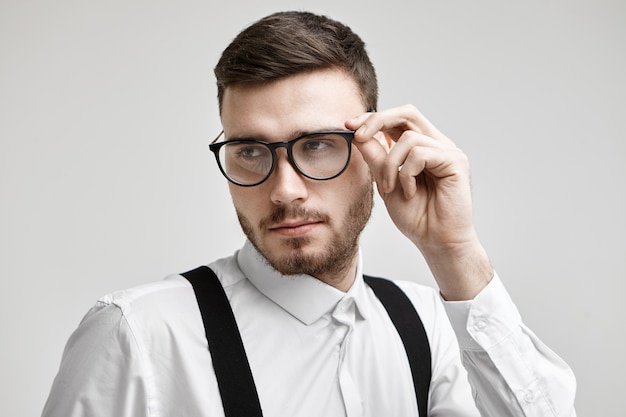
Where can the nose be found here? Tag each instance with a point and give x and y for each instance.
(287, 184)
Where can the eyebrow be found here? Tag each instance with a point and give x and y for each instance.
(292, 135)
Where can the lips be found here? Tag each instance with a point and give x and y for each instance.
(295, 227)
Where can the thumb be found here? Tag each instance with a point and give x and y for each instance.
(374, 151)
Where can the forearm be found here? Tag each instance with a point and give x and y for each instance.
(461, 272)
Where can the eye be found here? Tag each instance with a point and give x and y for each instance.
(318, 145)
(249, 151)
(246, 161)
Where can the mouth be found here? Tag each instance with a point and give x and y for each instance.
(295, 228)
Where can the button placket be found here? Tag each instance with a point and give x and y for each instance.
(344, 317)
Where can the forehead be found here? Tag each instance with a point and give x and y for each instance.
(307, 102)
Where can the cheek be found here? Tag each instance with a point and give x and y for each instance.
(356, 179)
(245, 202)
(359, 170)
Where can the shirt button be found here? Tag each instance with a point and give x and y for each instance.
(529, 397)
(480, 324)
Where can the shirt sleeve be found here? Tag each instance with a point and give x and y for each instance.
(100, 372)
(511, 372)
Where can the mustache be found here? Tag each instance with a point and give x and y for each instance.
(281, 213)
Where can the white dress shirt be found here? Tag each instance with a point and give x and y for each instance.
(313, 351)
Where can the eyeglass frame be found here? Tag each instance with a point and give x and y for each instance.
(215, 147)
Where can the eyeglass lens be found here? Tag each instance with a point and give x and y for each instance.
(317, 156)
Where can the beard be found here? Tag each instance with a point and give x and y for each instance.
(340, 250)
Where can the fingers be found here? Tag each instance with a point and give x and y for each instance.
(416, 154)
(375, 154)
(394, 122)
(417, 147)
(439, 163)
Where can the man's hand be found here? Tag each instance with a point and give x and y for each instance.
(424, 181)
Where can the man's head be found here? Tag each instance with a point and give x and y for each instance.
(288, 43)
(273, 88)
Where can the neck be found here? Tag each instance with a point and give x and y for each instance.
(341, 279)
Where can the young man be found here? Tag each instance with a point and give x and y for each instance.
(302, 146)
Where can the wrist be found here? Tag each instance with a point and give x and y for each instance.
(461, 271)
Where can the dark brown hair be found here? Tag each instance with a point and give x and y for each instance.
(288, 43)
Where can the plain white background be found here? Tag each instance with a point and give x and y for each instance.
(106, 181)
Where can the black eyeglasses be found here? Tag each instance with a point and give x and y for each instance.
(319, 156)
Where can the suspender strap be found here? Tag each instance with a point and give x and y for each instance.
(234, 377)
(411, 331)
(230, 362)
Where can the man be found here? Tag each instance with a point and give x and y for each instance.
(302, 146)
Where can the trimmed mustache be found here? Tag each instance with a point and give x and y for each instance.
(281, 213)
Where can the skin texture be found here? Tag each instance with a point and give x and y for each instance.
(301, 225)
(425, 182)
(312, 227)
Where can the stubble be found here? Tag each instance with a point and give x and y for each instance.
(340, 251)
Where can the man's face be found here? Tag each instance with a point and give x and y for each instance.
(302, 226)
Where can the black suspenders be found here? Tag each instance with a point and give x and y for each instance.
(234, 378)
(411, 331)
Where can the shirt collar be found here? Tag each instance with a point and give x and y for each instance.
(303, 296)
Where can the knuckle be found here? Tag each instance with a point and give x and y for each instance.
(417, 153)
(409, 108)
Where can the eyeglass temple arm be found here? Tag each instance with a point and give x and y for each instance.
(218, 136)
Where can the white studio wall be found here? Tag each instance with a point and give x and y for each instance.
(106, 180)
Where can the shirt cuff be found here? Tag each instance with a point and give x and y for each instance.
(486, 320)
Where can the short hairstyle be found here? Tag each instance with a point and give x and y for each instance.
(289, 43)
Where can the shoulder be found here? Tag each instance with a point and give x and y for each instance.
(173, 288)
(429, 306)
(156, 310)
(131, 320)
(420, 291)
(108, 361)
(126, 336)
(167, 294)
(425, 299)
